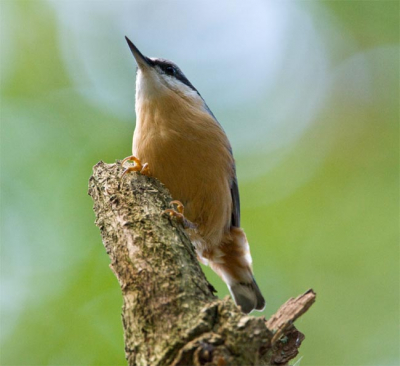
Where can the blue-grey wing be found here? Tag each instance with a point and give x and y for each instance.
(235, 201)
(235, 220)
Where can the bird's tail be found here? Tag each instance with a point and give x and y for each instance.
(233, 264)
(248, 296)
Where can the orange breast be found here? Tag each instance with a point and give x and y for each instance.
(189, 152)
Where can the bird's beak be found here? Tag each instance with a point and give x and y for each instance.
(142, 61)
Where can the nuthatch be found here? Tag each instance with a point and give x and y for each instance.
(185, 147)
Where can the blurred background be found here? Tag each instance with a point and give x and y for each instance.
(308, 93)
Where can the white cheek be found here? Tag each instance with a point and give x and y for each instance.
(182, 88)
(148, 85)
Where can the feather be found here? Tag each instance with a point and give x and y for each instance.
(235, 201)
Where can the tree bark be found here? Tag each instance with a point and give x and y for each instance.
(170, 314)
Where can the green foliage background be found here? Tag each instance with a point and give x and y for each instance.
(325, 216)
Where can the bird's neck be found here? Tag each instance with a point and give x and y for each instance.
(168, 110)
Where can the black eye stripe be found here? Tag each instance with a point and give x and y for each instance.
(177, 73)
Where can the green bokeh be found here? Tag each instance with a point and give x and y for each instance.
(337, 232)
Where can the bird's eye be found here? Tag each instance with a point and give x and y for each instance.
(170, 70)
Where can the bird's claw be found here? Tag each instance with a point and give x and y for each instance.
(179, 206)
(178, 213)
(137, 167)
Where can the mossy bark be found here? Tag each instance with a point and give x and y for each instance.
(170, 314)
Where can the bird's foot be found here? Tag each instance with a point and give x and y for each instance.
(137, 167)
(178, 213)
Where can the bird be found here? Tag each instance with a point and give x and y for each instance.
(178, 140)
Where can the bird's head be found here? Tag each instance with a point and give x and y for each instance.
(157, 78)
